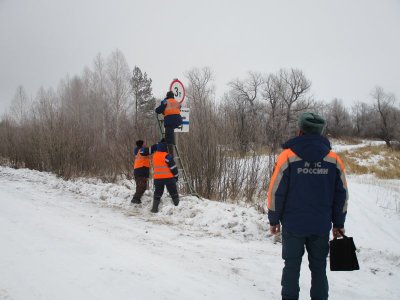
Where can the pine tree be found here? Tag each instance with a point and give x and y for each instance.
(143, 95)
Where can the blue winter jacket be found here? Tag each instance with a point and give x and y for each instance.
(308, 188)
(169, 121)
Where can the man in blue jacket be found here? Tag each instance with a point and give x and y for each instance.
(307, 194)
(171, 110)
(165, 174)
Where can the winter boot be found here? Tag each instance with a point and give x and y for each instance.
(135, 201)
(156, 202)
(176, 201)
(171, 150)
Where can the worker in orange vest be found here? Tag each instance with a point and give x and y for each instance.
(165, 174)
(171, 109)
(141, 172)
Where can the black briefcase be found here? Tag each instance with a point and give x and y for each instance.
(342, 255)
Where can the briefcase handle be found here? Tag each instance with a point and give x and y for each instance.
(342, 235)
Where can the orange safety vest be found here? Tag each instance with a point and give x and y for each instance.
(161, 169)
(172, 108)
(141, 161)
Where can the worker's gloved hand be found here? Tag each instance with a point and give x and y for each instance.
(176, 178)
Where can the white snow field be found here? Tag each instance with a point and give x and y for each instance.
(82, 239)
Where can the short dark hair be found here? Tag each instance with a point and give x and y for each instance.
(139, 143)
(170, 94)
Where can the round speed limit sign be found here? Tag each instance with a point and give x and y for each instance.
(178, 89)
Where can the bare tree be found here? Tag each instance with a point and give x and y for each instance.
(19, 105)
(248, 90)
(275, 112)
(384, 105)
(244, 99)
(365, 120)
(99, 79)
(201, 144)
(118, 77)
(338, 119)
(293, 90)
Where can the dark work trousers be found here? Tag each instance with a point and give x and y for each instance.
(141, 185)
(292, 252)
(170, 183)
(170, 135)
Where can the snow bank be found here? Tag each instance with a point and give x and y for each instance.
(197, 215)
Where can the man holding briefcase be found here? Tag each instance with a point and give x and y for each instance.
(307, 194)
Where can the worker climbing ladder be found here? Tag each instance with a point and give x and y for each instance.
(178, 160)
(178, 94)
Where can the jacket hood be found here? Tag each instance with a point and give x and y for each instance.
(310, 147)
(162, 147)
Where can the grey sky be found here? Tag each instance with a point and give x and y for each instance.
(344, 47)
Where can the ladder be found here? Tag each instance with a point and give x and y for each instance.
(178, 160)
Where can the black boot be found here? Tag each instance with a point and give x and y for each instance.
(135, 200)
(156, 202)
(176, 201)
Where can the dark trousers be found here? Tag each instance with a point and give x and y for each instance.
(292, 252)
(141, 185)
(170, 135)
(170, 183)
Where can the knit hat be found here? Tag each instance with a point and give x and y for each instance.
(311, 123)
(139, 143)
(170, 94)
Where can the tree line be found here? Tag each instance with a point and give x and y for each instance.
(88, 125)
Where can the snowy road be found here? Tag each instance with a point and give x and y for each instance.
(56, 244)
(57, 247)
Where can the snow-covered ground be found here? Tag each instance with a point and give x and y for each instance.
(340, 146)
(82, 239)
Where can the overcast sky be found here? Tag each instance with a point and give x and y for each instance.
(345, 47)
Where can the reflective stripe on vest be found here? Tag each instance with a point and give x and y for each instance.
(172, 108)
(141, 161)
(161, 169)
